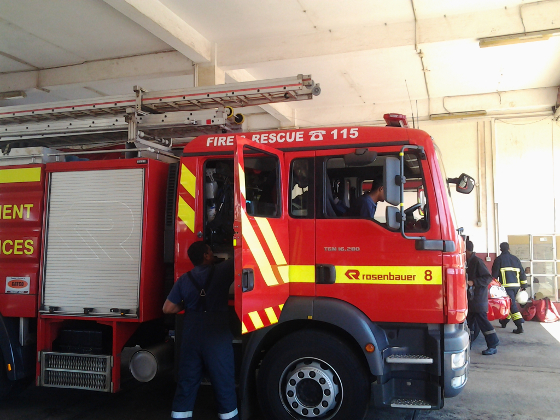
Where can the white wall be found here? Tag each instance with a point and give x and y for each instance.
(527, 183)
(463, 145)
(516, 164)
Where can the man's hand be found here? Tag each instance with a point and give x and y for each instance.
(470, 283)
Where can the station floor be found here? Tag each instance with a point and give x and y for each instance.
(520, 382)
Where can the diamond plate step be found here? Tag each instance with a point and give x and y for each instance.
(413, 359)
(410, 403)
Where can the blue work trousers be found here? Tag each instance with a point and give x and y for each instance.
(206, 344)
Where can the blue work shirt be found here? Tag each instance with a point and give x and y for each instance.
(364, 207)
(217, 292)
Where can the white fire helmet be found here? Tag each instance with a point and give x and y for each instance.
(522, 297)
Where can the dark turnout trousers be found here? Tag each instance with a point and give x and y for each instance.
(478, 321)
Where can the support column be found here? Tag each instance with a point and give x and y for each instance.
(209, 74)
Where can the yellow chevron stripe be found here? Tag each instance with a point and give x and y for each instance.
(242, 181)
(281, 307)
(271, 315)
(274, 246)
(302, 274)
(243, 328)
(271, 241)
(188, 180)
(8, 176)
(186, 214)
(257, 250)
(255, 317)
(284, 271)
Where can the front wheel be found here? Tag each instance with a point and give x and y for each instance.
(5, 384)
(313, 374)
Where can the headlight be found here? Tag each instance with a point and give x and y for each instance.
(458, 360)
(458, 381)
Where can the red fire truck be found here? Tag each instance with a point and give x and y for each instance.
(329, 308)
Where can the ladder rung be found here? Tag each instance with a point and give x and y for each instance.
(413, 359)
(410, 403)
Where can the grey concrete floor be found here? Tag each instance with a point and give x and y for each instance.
(520, 382)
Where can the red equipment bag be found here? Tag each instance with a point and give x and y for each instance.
(541, 310)
(529, 311)
(546, 311)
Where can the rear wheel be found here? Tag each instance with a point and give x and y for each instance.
(313, 374)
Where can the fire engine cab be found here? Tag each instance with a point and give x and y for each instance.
(329, 307)
(333, 305)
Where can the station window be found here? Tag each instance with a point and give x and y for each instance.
(301, 188)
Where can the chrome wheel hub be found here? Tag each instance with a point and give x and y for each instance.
(311, 389)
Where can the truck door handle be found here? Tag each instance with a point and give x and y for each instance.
(325, 274)
(247, 280)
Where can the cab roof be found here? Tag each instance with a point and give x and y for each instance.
(310, 138)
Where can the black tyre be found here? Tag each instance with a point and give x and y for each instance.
(5, 384)
(313, 374)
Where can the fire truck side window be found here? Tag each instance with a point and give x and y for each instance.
(301, 188)
(344, 185)
(261, 186)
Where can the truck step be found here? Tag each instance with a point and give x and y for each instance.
(412, 359)
(410, 403)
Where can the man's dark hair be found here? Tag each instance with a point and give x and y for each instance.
(196, 252)
(504, 246)
(470, 246)
(376, 183)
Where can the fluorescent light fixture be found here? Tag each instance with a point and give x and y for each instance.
(457, 115)
(14, 94)
(497, 41)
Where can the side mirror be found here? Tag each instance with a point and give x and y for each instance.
(391, 179)
(393, 217)
(465, 183)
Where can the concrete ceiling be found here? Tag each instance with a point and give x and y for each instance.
(370, 56)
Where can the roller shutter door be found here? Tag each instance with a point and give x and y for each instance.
(94, 238)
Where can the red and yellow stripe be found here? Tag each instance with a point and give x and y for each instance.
(262, 318)
(186, 211)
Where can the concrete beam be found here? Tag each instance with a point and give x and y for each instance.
(162, 22)
(150, 65)
(509, 101)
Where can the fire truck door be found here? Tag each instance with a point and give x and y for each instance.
(260, 235)
(363, 262)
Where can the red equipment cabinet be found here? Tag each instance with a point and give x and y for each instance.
(102, 266)
(21, 223)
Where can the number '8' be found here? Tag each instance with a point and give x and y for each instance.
(428, 275)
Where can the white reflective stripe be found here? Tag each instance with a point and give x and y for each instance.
(229, 415)
(181, 414)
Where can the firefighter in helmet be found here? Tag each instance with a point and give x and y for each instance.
(508, 270)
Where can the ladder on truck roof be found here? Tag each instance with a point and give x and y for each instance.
(157, 116)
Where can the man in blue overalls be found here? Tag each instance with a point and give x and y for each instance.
(207, 339)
